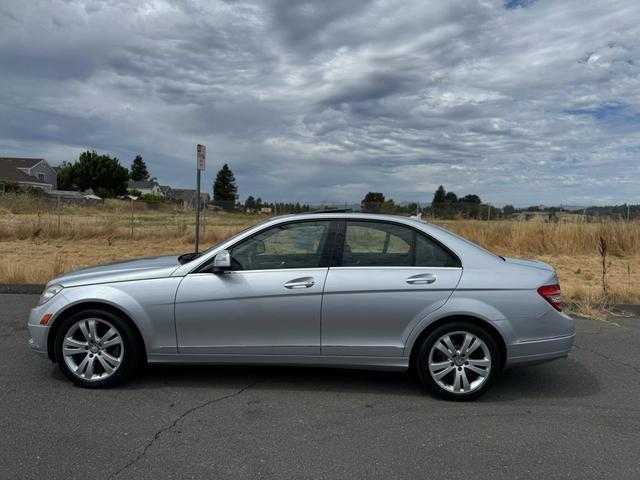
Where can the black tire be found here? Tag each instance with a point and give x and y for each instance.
(428, 343)
(132, 351)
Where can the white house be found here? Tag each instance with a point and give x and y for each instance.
(146, 187)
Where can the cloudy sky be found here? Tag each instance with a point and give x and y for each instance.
(522, 102)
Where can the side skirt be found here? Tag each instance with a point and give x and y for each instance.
(369, 363)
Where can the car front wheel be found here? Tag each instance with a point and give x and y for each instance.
(458, 361)
(96, 349)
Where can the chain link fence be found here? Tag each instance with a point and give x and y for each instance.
(45, 216)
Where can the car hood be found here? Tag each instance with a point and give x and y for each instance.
(529, 263)
(141, 269)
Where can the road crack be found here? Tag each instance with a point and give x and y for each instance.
(618, 362)
(172, 425)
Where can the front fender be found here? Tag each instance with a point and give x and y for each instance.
(148, 303)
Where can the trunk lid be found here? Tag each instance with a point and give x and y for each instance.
(530, 263)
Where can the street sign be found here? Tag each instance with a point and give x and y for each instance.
(201, 156)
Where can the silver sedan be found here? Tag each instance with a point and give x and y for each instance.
(321, 289)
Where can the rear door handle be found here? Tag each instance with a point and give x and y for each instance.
(304, 282)
(421, 279)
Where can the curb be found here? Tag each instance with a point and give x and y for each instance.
(634, 309)
(620, 308)
(21, 288)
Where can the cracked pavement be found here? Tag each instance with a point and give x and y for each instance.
(573, 418)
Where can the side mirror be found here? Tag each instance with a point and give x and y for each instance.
(222, 261)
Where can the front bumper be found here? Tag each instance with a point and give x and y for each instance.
(39, 333)
(38, 339)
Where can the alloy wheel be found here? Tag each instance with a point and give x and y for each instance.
(93, 349)
(460, 362)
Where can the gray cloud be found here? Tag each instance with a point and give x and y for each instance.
(519, 101)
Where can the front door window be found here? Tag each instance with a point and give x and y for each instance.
(293, 245)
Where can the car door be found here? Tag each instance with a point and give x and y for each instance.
(268, 303)
(387, 278)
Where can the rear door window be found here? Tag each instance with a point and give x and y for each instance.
(378, 244)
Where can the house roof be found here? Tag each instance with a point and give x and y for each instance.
(21, 162)
(183, 193)
(138, 184)
(9, 170)
(187, 194)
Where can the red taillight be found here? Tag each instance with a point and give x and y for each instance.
(551, 293)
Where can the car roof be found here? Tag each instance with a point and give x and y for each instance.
(329, 214)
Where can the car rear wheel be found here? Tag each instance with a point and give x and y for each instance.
(458, 361)
(96, 349)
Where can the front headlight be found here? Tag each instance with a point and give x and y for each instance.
(49, 292)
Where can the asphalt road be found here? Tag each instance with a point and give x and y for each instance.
(574, 418)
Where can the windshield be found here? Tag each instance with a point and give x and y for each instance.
(241, 232)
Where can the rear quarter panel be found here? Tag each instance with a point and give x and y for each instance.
(504, 295)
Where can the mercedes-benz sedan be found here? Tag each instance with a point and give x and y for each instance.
(321, 289)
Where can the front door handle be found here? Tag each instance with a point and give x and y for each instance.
(304, 282)
(422, 279)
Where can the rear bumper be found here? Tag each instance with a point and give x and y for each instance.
(538, 351)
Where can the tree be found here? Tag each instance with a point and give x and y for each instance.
(413, 208)
(389, 207)
(508, 210)
(450, 197)
(471, 206)
(250, 203)
(101, 173)
(372, 202)
(471, 199)
(139, 169)
(65, 176)
(440, 196)
(225, 190)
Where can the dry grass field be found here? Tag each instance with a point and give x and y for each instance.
(38, 242)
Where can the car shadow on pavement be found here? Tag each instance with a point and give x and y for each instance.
(565, 378)
(283, 378)
(560, 379)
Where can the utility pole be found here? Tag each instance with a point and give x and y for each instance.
(201, 157)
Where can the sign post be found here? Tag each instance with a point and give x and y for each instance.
(201, 158)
